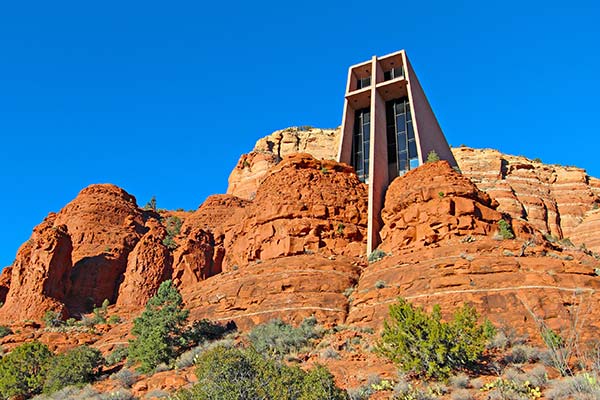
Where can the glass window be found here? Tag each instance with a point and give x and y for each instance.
(410, 132)
(363, 82)
(414, 163)
(412, 149)
(400, 122)
(387, 75)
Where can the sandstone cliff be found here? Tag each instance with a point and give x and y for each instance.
(559, 201)
(268, 151)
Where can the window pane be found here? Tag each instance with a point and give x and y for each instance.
(387, 75)
(414, 163)
(400, 123)
(412, 149)
(411, 132)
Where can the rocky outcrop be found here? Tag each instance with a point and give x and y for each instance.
(291, 288)
(105, 224)
(5, 283)
(303, 206)
(196, 258)
(442, 247)
(40, 274)
(552, 198)
(149, 264)
(433, 203)
(270, 150)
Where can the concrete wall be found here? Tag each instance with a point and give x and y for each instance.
(427, 129)
(428, 133)
(378, 167)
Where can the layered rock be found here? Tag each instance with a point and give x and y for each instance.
(444, 249)
(291, 288)
(270, 150)
(40, 274)
(5, 277)
(105, 224)
(552, 198)
(433, 203)
(303, 206)
(149, 264)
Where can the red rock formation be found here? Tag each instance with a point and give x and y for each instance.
(5, 283)
(442, 249)
(268, 151)
(303, 205)
(552, 198)
(196, 259)
(291, 288)
(433, 203)
(149, 264)
(105, 224)
(40, 274)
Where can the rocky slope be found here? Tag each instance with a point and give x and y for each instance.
(295, 248)
(560, 201)
(268, 151)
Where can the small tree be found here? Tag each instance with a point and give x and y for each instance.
(422, 343)
(159, 329)
(432, 156)
(151, 204)
(505, 229)
(75, 367)
(232, 373)
(23, 370)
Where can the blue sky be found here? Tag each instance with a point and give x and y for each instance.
(161, 98)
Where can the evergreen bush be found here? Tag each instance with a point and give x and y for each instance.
(23, 370)
(74, 367)
(227, 373)
(277, 338)
(159, 329)
(424, 344)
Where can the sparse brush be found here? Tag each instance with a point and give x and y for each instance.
(461, 394)
(125, 377)
(460, 381)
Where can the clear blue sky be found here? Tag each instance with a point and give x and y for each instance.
(161, 98)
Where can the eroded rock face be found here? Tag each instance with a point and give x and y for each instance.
(514, 283)
(5, 283)
(252, 167)
(105, 224)
(196, 258)
(552, 198)
(304, 205)
(291, 288)
(149, 264)
(440, 236)
(433, 203)
(40, 274)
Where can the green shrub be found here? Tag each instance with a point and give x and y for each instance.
(203, 330)
(432, 156)
(424, 344)
(75, 367)
(173, 225)
(52, 319)
(277, 338)
(114, 319)
(376, 255)
(159, 329)
(5, 331)
(117, 355)
(151, 204)
(100, 313)
(232, 373)
(505, 230)
(23, 370)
